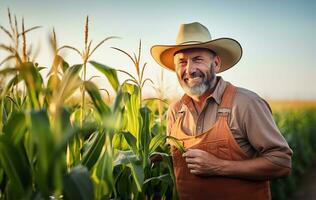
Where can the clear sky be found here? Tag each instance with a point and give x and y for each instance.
(277, 36)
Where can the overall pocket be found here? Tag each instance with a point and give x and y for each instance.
(219, 149)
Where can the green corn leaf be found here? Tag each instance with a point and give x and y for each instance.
(166, 158)
(67, 136)
(178, 143)
(104, 172)
(87, 129)
(74, 147)
(70, 131)
(123, 184)
(14, 163)
(118, 101)
(138, 174)
(92, 154)
(131, 140)
(145, 134)
(109, 72)
(96, 98)
(69, 83)
(77, 184)
(12, 82)
(118, 110)
(132, 114)
(64, 65)
(131, 160)
(156, 142)
(40, 69)
(43, 137)
(125, 157)
(15, 127)
(163, 179)
(33, 80)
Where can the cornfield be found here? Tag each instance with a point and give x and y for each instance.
(56, 146)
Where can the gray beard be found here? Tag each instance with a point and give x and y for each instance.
(197, 90)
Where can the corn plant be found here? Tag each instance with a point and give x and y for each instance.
(134, 140)
(298, 127)
(48, 150)
(85, 54)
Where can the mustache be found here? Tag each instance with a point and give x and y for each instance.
(194, 74)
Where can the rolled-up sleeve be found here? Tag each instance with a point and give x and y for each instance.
(263, 134)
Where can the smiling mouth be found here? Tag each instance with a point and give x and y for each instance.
(196, 76)
(192, 79)
(191, 82)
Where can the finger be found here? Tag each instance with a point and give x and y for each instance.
(194, 171)
(191, 160)
(193, 153)
(193, 166)
(190, 153)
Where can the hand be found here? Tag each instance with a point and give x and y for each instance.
(203, 163)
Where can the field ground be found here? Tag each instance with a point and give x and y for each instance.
(291, 104)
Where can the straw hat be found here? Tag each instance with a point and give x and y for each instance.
(195, 35)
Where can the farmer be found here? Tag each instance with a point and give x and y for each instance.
(233, 146)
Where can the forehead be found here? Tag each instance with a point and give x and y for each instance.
(192, 53)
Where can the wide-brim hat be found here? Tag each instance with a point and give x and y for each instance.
(195, 35)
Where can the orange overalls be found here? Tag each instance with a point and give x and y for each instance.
(220, 142)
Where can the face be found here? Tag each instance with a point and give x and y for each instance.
(196, 70)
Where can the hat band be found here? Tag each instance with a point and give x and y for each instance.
(190, 42)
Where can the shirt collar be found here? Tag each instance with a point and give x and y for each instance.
(216, 95)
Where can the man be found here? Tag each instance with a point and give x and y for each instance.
(233, 147)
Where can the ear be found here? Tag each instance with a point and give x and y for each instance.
(218, 64)
(175, 60)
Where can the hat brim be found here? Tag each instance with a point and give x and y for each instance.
(228, 49)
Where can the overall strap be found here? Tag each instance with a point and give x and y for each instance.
(227, 100)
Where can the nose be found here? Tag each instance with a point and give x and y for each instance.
(190, 68)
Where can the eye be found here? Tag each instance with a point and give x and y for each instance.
(182, 62)
(198, 60)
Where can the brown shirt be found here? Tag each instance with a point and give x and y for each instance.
(250, 121)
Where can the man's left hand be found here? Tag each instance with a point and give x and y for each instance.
(203, 163)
